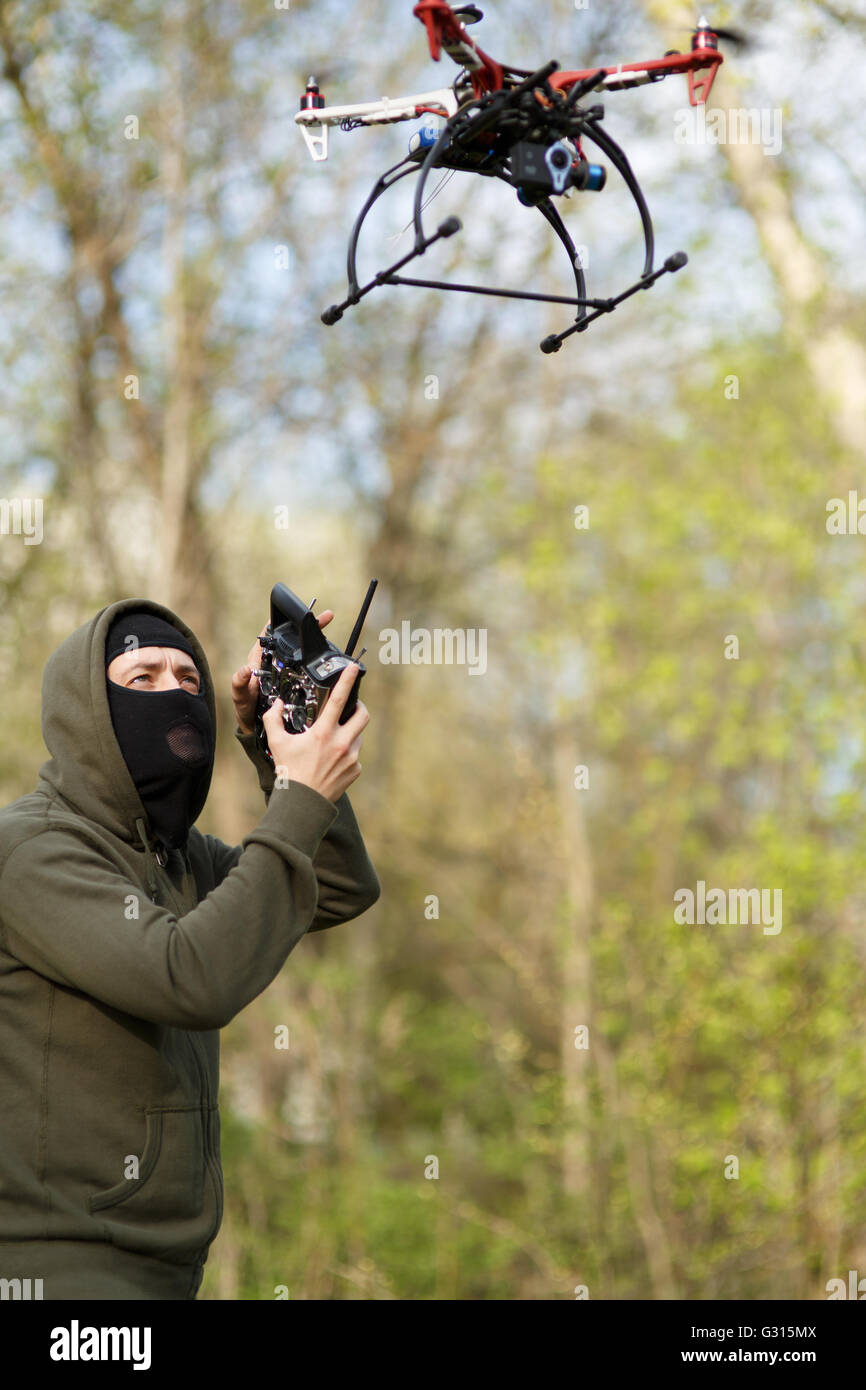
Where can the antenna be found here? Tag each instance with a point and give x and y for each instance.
(356, 630)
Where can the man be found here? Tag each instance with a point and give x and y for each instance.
(128, 939)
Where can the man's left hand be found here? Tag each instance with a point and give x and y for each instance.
(245, 685)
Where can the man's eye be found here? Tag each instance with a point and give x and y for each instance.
(144, 676)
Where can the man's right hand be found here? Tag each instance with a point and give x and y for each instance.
(325, 756)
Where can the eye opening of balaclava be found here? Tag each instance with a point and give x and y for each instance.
(166, 736)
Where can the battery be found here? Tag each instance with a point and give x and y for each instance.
(425, 138)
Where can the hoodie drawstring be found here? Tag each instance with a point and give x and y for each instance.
(149, 861)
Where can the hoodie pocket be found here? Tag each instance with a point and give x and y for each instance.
(171, 1173)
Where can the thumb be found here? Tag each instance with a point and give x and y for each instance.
(273, 713)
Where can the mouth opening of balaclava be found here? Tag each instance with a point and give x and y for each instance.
(166, 736)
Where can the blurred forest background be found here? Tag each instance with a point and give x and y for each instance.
(427, 441)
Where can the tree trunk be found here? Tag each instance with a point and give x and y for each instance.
(814, 312)
(575, 1003)
(178, 408)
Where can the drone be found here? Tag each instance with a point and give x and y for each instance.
(529, 129)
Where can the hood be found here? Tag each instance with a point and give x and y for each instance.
(86, 767)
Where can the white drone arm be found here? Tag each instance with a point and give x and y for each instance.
(619, 80)
(315, 121)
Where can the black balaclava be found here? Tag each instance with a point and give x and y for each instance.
(166, 736)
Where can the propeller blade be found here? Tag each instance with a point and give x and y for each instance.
(734, 36)
(469, 14)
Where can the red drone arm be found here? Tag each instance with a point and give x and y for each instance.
(700, 81)
(444, 30)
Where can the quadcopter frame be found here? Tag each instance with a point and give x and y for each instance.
(490, 114)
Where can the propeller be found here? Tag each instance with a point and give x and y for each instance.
(469, 14)
(734, 36)
(329, 73)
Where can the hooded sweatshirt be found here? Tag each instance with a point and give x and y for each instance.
(119, 963)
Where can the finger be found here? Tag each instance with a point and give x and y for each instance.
(326, 617)
(336, 701)
(245, 698)
(254, 657)
(273, 717)
(273, 723)
(358, 721)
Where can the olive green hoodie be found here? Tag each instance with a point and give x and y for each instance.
(118, 967)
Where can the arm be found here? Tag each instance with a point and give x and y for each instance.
(64, 913)
(347, 881)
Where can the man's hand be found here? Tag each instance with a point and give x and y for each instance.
(245, 686)
(325, 756)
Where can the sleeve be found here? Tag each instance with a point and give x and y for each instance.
(76, 918)
(346, 879)
(257, 758)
